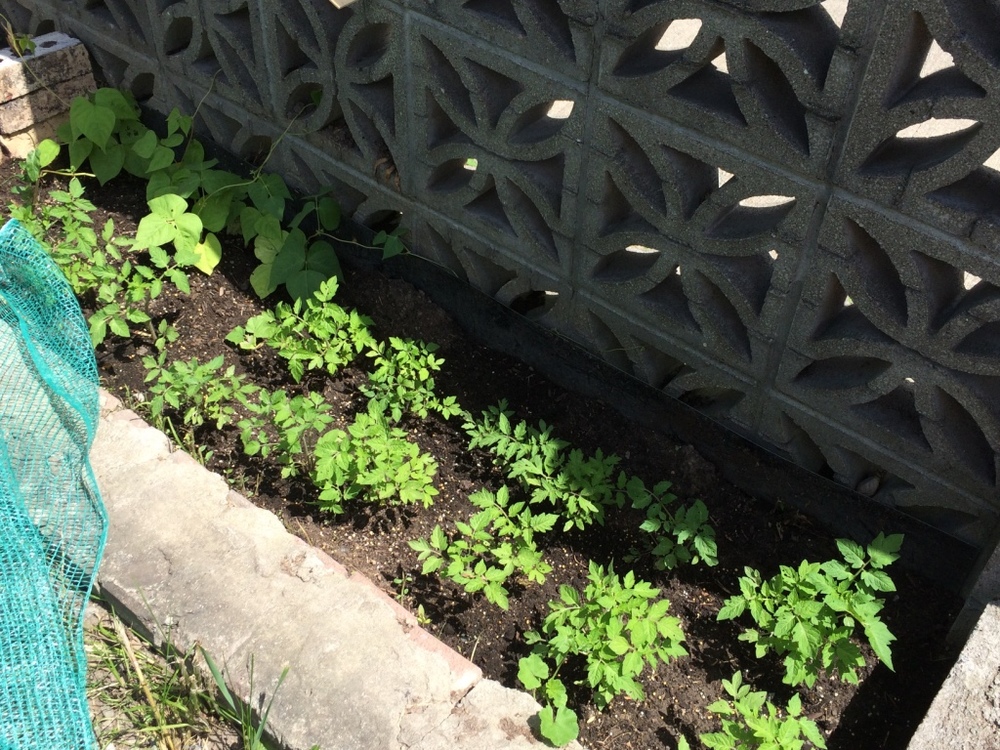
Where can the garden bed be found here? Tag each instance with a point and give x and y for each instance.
(881, 712)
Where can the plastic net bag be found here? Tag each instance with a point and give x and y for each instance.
(52, 522)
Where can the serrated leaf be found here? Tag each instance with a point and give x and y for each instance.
(852, 552)
(618, 645)
(431, 565)
(119, 327)
(733, 608)
(884, 549)
(880, 637)
(878, 580)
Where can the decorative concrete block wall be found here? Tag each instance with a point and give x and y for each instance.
(783, 212)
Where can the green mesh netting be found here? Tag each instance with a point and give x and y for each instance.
(52, 522)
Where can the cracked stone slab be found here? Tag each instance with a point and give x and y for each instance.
(965, 714)
(190, 560)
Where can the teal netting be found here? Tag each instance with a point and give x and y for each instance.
(52, 522)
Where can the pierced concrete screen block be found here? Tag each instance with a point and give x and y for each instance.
(783, 212)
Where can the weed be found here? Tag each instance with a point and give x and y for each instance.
(239, 712)
(143, 692)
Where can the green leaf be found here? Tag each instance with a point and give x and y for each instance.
(431, 565)
(189, 229)
(795, 705)
(733, 608)
(555, 691)
(851, 552)
(47, 151)
(878, 580)
(328, 212)
(261, 281)
(880, 637)
(323, 258)
(162, 157)
(119, 327)
(532, 671)
(169, 206)
(619, 645)
(96, 123)
(209, 253)
(213, 210)
(305, 283)
(79, 150)
(291, 258)
(114, 100)
(438, 538)
(559, 728)
(153, 231)
(884, 549)
(107, 161)
(145, 146)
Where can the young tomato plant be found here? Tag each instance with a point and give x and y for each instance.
(809, 614)
(617, 625)
(681, 536)
(578, 487)
(402, 379)
(496, 542)
(285, 427)
(372, 461)
(201, 392)
(313, 334)
(751, 721)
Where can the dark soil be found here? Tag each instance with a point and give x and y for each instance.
(880, 713)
